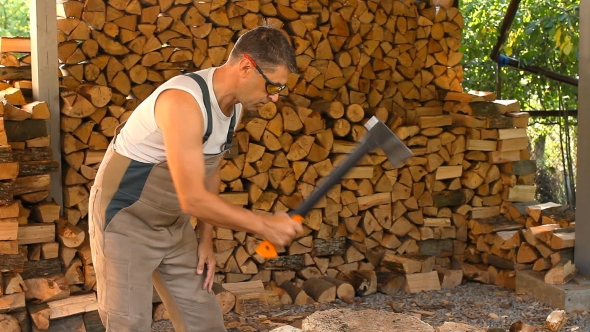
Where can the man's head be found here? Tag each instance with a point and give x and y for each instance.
(264, 59)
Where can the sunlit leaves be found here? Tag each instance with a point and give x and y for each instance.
(543, 33)
(14, 18)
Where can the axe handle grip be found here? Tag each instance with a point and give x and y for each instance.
(268, 250)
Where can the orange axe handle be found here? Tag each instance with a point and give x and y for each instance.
(267, 249)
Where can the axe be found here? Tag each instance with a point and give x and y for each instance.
(378, 136)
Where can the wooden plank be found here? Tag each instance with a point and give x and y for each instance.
(521, 193)
(13, 263)
(418, 282)
(235, 198)
(512, 133)
(513, 144)
(485, 212)
(437, 222)
(15, 44)
(72, 305)
(481, 145)
(8, 229)
(507, 106)
(36, 233)
(244, 287)
(360, 172)
(15, 73)
(498, 157)
(448, 172)
(40, 268)
(18, 131)
(430, 121)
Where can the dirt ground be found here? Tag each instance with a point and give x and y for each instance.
(487, 307)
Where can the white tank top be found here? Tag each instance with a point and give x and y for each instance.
(140, 138)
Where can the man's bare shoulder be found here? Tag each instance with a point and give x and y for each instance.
(174, 95)
(176, 106)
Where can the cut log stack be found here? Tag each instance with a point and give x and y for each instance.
(538, 237)
(113, 54)
(39, 271)
(381, 217)
(397, 60)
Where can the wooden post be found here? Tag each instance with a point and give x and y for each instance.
(44, 68)
(582, 261)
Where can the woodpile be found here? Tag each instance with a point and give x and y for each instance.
(383, 55)
(41, 275)
(456, 210)
(530, 236)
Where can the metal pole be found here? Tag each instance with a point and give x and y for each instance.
(582, 247)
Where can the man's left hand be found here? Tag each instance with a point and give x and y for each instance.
(206, 260)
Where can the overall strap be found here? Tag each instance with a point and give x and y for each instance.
(230, 132)
(207, 102)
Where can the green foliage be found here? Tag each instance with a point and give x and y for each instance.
(554, 149)
(14, 18)
(543, 33)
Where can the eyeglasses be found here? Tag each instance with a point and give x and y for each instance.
(271, 87)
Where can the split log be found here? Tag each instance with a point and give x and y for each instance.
(561, 273)
(226, 299)
(320, 290)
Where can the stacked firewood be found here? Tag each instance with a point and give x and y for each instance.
(539, 237)
(383, 55)
(554, 239)
(406, 219)
(40, 273)
(445, 213)
(395, 60)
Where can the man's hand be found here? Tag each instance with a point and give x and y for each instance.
(280, 229)
(206, 260)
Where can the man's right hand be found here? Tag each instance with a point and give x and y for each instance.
(280, 229)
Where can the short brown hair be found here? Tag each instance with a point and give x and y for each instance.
(268, 46)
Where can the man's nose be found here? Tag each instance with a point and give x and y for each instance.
(274, 98)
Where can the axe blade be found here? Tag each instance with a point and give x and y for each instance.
(380, 136)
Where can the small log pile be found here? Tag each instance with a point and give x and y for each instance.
(40, 272)
(551, 231)
(533, 236)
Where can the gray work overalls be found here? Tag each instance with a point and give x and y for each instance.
(140, 237)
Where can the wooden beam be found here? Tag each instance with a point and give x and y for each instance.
(582, 262)
(44, 66)
(15, 44)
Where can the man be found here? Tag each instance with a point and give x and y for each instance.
(163, 167)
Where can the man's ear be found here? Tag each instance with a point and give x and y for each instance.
(244, 67)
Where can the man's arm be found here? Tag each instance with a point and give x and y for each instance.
(179, 117)
(204, 228)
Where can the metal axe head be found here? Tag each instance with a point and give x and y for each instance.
(380, 136)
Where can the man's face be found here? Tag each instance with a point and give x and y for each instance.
(262, 87)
